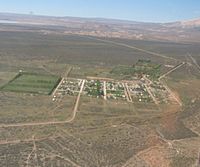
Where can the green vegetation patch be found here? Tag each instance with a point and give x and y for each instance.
(140, 68)
(95, 89)
(32, 83)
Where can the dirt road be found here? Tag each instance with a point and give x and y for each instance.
(172, 94)
(50, 122)
(99, 78)
(65, 75)
(55, 90)
(127, 92)
(194, 62)
(77, 100)
(135, 48)
(172, 70)
(104, 90)
(152, 96)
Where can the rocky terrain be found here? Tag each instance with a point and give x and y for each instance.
(183, 31)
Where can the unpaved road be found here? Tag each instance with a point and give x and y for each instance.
(167, 88)
(152, 96)
(135, 48)
(55, 90)
(104, 90)
(172, 70)
(77, 101)
(172, 94)
(66, 74)
(50, 122)
(194, 61)
(127, 93)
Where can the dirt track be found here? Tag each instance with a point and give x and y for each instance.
(135, 48)
(194, 62)
(51, 122)
(172, 70)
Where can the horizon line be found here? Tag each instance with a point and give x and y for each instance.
(92, 17)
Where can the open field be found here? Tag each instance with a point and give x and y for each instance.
(79, 129)
(32, 83)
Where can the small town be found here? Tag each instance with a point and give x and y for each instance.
(142, 90)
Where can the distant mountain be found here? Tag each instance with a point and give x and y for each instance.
(191, 23)
(185, 24)
(183, 31)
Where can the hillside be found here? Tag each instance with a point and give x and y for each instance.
(183, 31)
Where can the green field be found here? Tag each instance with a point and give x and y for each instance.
(32, 83)
(140, 68)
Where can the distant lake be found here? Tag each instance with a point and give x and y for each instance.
(8, 22)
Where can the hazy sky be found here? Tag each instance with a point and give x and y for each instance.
(137, 10)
